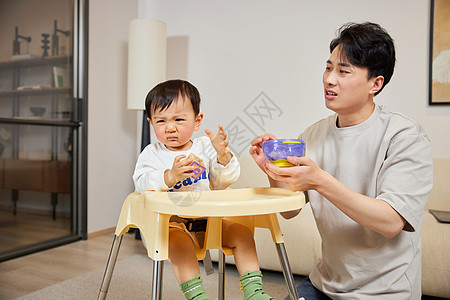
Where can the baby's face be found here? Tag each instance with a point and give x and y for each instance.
(175, 125)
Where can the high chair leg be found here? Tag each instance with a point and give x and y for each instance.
(221, 275)
(158, 268)
(287, 272)
(110, 267)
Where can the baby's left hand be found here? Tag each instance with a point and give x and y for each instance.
(220, 143)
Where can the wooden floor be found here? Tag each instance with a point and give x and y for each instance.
(33, 272)
(30, 273)
(20, 230)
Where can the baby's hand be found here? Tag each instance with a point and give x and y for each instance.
(181, 169)
(220, 144)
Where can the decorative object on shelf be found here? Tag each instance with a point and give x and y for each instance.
(45, 43)
(60, 77)
(37, 111)
(16, 42)
(55, 38)
(68, 144)
(439, 78)
(5, 134)
(31, 87)
(146, 64)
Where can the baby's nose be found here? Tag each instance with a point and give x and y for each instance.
(170, 127)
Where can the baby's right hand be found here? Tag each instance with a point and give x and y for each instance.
(181, 169)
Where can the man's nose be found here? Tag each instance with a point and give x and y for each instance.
(330, 78)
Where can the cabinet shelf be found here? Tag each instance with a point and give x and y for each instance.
(33, 62)
(36, 175)
(37, 91)
(39, 121)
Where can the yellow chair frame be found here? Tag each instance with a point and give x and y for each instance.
(151, 211)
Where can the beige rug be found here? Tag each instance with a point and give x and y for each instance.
(132, 280)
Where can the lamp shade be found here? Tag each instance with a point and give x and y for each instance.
(146, 59)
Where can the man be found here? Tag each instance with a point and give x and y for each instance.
(367, 172)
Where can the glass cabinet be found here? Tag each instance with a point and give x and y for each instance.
(42, 124)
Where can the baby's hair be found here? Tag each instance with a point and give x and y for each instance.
(163, 95)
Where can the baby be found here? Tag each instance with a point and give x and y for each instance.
(173, 110)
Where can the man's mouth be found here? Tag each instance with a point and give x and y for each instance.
(330, 95)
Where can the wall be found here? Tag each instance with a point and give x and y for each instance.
(234, 50)
(112, 131)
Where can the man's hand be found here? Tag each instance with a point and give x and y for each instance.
(256, 150)
(304, 175)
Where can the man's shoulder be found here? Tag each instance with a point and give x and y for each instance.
(399, 122)
(321, 126)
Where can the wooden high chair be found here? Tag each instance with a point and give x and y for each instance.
(151, 211)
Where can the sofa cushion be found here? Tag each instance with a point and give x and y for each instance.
(435, 257)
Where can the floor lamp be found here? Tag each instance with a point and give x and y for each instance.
(147, 45)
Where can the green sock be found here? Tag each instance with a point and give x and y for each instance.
(193, 289)
(251, 283)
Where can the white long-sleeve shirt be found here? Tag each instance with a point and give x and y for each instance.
(155, 159)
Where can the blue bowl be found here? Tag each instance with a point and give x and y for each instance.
(277, 151)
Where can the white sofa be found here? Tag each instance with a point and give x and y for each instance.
(303, 243)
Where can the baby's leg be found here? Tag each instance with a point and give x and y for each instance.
(182, 255)
(239, 238)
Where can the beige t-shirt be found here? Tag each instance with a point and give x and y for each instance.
(386, 157)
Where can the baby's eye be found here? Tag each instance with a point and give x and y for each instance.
(179, 120)
(160, 122)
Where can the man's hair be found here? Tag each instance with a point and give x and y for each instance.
(163, 95)
(367, 45)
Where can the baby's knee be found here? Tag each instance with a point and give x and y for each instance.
(180, 245)
(179, 238)
(242, 231)
(239, 234)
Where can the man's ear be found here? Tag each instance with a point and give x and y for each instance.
(377, 84)
(198, 121)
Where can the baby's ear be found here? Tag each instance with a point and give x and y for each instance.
(198, 121)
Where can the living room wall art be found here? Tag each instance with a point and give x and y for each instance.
(439, 88)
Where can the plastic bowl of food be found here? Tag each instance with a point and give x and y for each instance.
(277, 151)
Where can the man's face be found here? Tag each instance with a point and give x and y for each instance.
(347, 90)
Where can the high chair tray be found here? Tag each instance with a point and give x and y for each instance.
(222, 203)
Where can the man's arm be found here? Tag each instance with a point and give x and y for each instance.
(371, 213)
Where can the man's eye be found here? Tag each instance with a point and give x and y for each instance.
(344, 71)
